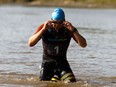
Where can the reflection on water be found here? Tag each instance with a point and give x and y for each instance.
(94, 66)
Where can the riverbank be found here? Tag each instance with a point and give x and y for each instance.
(65, 3)
(78, 4)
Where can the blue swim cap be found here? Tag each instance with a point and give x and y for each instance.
(58, 14)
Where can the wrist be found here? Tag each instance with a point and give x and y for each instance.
(74, 30)
(43, 29)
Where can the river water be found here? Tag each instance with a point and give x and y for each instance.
(93, 66)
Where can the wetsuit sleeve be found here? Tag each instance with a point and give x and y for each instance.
(39, 28)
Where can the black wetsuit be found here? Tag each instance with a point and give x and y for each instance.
(55, 45)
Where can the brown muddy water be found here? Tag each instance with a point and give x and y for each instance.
(93, 66)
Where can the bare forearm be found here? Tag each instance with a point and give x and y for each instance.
(35, 38)
(76, 36)
(79, 39)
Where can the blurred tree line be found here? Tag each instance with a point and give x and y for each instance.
(103, 1)
(12, 1)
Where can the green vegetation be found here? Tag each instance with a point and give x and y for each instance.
(66, 3)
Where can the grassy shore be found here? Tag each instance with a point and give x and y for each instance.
(66, 3)
(76, 3)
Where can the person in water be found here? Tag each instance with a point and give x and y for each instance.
(56, 35)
